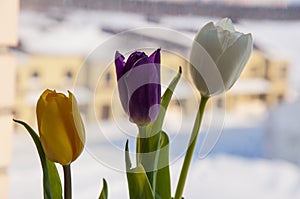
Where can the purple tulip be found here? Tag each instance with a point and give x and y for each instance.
(139, 85)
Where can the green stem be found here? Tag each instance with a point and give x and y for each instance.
(141, 136)
(190, 150)
(155, 166)
(68, 181)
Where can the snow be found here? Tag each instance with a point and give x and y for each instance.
(185, 88)
(282, 132)
(235, 178)
(251, 86)
(83, 95)
(215, 177)
(79, 32)
(234, 166)
(41, 34)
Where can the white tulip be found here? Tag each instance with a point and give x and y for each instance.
(218, 56)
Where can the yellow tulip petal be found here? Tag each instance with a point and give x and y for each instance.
(60, 126)
(41, 104)
(79, 133)
(53, 134)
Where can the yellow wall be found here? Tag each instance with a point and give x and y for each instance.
(105, 104)
(273, 71)
(36, 73)
(9, 12)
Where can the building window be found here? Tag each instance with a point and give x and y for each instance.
(68, 77)
(280, 98)
(105, 112)
(254, 71)
(69, 74)
(107, 78)
(283, 72)
(262, 97)
(35, 80)
(220, 103)
(35, 74)
(267, 69)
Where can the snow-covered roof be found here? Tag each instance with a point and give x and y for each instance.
(182, 91)
(75, 33)
(79, 32)
(83, 95)
(251, 86)
(41, 35)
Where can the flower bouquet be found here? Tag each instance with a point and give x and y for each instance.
(218, 56)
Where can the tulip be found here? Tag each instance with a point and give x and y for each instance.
(139, 85)
(60, 127)
(218, 56)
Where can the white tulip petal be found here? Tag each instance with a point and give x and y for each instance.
(226, 24)
(227, 38)
(205, 72)
(218, 56)
(208, 38)
(234, 59)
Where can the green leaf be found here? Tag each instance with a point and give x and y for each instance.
(104, 192)
(156, 126)
(54, 179)
(155, 161)
(149, 153)
(163, 182)
(151, 145)
(138, 183)
(51, 180)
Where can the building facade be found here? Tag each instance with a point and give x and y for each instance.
(9, 11)
(39, 72)
(263, 84)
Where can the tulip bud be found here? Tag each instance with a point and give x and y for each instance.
(218, 56)
(60, 127)
(139, 85)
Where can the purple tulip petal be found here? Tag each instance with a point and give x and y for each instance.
(150, 71)
(141, 102)
(142, 61)
(123, 94)
(139, 89)
(147, 94)
(120, 64)
(155, 56)
(132, 59)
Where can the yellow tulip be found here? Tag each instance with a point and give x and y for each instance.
(60, 127)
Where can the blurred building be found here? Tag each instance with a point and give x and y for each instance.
(263, 84)
(39, 72)
(9, 11)
(55, 58)
(107, 104)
